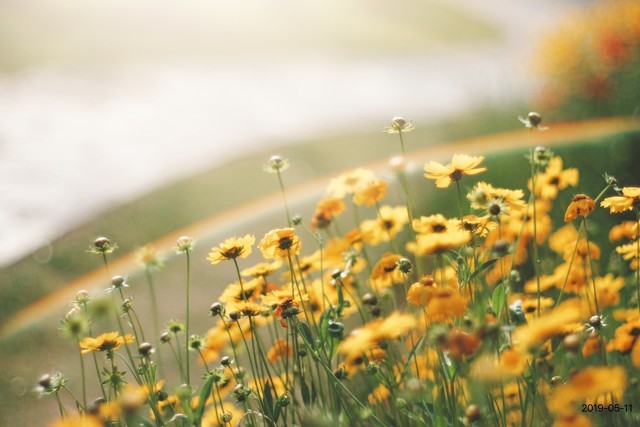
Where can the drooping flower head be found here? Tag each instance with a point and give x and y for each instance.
(460, 165)
(232, 248)
(581, 205)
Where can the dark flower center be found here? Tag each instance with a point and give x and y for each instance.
(456, 175)
(439, 228)
(387, 224)
(285, 243)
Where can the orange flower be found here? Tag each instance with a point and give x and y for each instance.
(385, 273)
(350, 182)
(326, 210)
(280, 243)
(105, 342)
(460, 165)
(421, 292)
(460, 344)
(616, 204)
(581, 205)
(286, 309)
(446, 303)
(279, 350)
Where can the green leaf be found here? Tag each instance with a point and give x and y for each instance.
(305, 330)
(304, 390)
(314, 392)
(482, 267)
(267, 401)
(497, 299)
(204, 392)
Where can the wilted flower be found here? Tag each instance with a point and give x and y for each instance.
(582, 205)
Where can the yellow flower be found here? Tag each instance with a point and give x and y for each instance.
(104, 342)
(587, 383)
(78, 421)
(431, 224)
(399, 125)
(147, 256)
(460, 165)
(616, 204)
(379, 395)
(249, 290)
(554, 179)
(350, 182)
(508, 365)
(371, 193)
(537, 331)
(280, 243)
(581, 205)
(483, 192)
(428, 244)
(390, 221)
(572, 420)
(262, 269)
(232, 248)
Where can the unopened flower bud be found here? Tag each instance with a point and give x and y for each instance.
(145, 349)
(216, 309)
(571, 343)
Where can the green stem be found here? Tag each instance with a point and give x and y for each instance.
(187, 320)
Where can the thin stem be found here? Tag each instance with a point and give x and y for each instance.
(187, 319)
(84, 381)
(284, 197)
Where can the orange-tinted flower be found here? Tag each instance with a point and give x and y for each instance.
(445, 304)
(82, 420)
(616, 204)
(581, 205)
(385, 273)
(552, 324)
(626, 336)
(280, 243)
(326, 210)
(232, 248)
(591, 345)
(371, 193)
(572, 419)
(460, 344)
(625, 230)
(278, 350)
(553, 179)
(249, 290)
(460, 165)
(286, 309)
(421, 292)
(105, 342)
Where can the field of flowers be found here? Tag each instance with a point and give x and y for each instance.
(492, 306)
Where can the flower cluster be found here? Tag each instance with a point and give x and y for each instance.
(502, 313)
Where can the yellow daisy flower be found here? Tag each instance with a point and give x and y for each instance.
(554, 179)
(371, 193)
(616, 204)
(460, 165)
(104, 342)
(280, 243)
(232, 248)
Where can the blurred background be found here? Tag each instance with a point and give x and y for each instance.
(143, 120)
